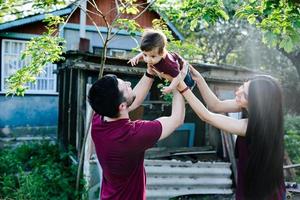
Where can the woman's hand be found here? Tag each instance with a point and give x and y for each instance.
(196, 76)
(184, 70)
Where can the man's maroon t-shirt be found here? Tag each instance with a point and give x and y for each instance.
(120, 147)
(171, 64)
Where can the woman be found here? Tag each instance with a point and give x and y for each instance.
(260, 136)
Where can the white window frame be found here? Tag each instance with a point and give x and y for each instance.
(41, 76)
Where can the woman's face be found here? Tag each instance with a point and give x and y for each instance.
(241, 95)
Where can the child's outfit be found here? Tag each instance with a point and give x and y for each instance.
(172, 64)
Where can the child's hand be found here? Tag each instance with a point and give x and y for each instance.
(134, 61)
(166, 90)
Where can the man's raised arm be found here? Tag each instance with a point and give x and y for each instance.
(169, 124)
(142, 88)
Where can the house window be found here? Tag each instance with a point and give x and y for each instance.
(11, 62)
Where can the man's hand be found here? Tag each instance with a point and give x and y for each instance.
(155, 71)
(166, 76)
(166, 90)
(150, 69)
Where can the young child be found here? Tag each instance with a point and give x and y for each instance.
(155, 54)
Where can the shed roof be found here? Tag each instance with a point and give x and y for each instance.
(212, 72)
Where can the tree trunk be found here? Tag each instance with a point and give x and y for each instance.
(294, 57)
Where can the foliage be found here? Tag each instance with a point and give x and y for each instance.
(193, 12)
(166, 97)
(42, 50)
(48, 48)
(210, 41)
(292, 123)
(130, 25)
(252, 53)
(220, 42)
(292, 139)
(279, 21)
(37, 171)
(129, 7)
(13, 9)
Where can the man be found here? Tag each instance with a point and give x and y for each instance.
(121, 143)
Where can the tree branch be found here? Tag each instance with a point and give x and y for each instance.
(145, 9)
(117, 6)
(100, 12)
(69, 16)
(94, 23)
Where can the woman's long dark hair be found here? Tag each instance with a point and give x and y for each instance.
(264, 136)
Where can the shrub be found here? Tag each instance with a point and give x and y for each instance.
(292, 140)
(37, 171)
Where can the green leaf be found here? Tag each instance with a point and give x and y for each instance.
(251, 19)
(223, 14)
(132, 10)
(270, 38)
(194, 24)
(297, 23)
(287, 44)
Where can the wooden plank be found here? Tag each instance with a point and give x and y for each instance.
(79, 113)
(184, 191)
(289, 171)
(69, 107)
(110, 68)
(177, 163)
(291, 166)
(187, 171)
(162, 152)
(229, 144)
(191, 181)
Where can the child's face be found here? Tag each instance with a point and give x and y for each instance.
(152, 57)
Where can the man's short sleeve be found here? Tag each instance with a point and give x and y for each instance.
(146, 133)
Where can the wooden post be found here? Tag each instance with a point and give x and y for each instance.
(229, 144)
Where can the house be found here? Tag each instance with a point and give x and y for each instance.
(36, 114)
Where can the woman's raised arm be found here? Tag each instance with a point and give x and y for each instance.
(228, 124)
(214, 104)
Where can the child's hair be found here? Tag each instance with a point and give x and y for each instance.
(153, 39)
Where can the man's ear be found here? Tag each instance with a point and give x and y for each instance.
(123, 106)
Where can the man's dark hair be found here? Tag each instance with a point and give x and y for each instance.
(153, 39)
(105, 96)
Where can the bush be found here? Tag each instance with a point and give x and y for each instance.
(37, 171)
(292, 140)
(292, 123)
